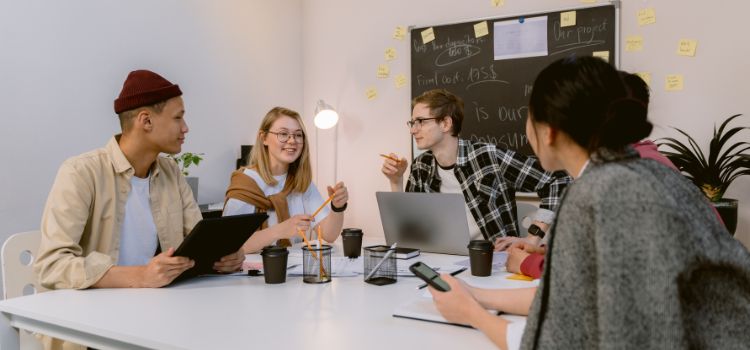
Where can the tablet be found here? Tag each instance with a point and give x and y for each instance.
(211, 239)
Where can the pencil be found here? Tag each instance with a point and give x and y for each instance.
(389, 157)
(452, 274)
(299, 230)
(321, 207)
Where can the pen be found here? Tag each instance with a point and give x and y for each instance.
(452, 274)
(385, 257)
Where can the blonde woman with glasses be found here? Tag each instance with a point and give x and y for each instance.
(278, 180)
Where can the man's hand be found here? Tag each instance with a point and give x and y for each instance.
(230, 263)
(394, 170)
(163, 269)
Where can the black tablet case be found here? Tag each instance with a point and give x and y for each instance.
(213, 238)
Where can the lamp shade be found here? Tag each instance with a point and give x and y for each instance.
(325, 116)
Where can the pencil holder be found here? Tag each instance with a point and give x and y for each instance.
(316, 264)
(377, 257)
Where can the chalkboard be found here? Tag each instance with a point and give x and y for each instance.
(496, 91)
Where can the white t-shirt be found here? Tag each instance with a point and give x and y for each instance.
(298, 203)
(449, 184)
(138, 239)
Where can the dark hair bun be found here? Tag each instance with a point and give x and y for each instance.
(626, 122)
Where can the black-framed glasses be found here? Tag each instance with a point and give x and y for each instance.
(284, 136)
(419, 121)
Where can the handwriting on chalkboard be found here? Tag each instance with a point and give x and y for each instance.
(572, 38)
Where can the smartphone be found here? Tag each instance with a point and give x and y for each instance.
(429, 275)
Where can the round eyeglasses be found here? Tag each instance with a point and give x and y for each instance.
(284, 136)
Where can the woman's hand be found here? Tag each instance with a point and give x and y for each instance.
(457, 305)
(290, 227)
(340, 194)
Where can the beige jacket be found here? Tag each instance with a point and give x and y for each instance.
(85, 208)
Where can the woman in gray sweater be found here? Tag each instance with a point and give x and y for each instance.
(637, 257)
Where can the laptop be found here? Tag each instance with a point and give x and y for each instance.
(213, 238)
(432, 222)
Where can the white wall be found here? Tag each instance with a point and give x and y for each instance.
(62, 63)
(344, 42)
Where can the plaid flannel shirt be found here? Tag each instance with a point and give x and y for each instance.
(489, 178)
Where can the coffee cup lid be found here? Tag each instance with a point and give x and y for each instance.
(480, 244)
(273, 249)
(351, 231)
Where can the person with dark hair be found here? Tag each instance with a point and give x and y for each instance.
(115, 215)
(636, 257)
(486, 176)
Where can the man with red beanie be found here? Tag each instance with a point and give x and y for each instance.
(115, 215)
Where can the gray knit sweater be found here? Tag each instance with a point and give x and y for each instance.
(638, 260)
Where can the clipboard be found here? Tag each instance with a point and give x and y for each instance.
(213, 238)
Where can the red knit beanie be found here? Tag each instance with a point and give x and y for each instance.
(144, 88)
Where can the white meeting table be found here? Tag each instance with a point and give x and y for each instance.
(240, 312)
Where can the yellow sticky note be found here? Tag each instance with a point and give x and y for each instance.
(646, 16)
(497, 3)
(687, 47)
(519, 277)
(674, 82)
(588, 1)
(400, 81)
(399, 33)
(383, 71)
(480, 29)
(634, 43)
(428, 35)
(371, 93)
(602, 54)
(390, 54)
(568, 19)
(646, 76)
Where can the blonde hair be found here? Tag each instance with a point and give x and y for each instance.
(299, 176)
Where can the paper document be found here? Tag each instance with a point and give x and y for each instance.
(516, 39)
(498, 261)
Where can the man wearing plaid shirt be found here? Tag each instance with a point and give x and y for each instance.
(486, 175)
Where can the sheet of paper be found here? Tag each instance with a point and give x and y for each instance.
(428, 35)
(674, 82)
(602, 54)
(383, 71)
(519, 277)
(513, 39)
(687, 47)
(390, 54)
(567, 19)
(400, 81)
(498, 261)
(399, 33)
(646, 16)
(481, 29)
(646, 76)
(634, 43)
(371, 93)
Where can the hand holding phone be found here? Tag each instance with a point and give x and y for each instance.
(429, 275)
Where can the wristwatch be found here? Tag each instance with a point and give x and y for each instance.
(536, 231)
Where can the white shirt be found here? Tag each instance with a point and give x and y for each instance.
(449, 184)
(298, 203)
(138, 239)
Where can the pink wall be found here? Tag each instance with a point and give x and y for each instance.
(344, 41)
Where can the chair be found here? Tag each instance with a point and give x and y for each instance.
(525, 211)
(18, 276)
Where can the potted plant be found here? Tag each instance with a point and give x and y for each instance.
(184, 161)
(713, 174)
